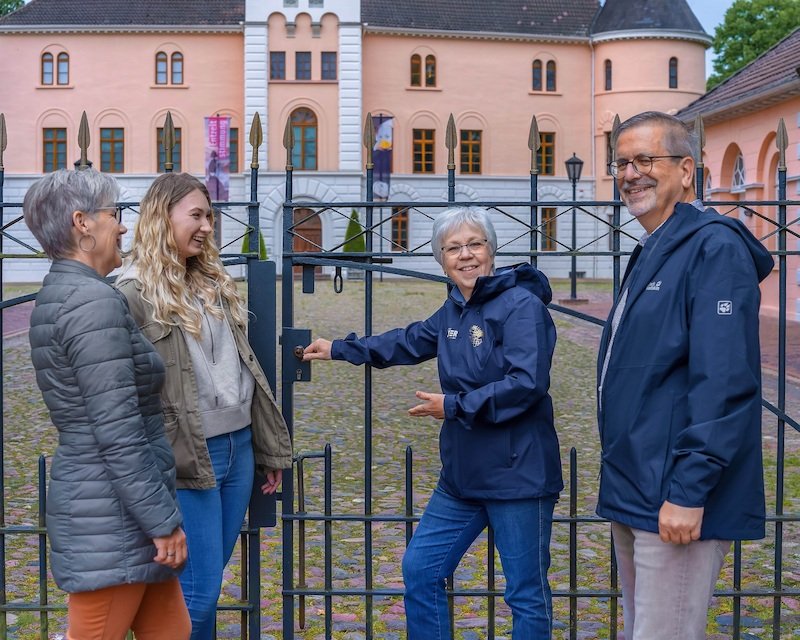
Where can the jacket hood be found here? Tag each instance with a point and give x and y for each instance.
(692, 219)
(521, 275)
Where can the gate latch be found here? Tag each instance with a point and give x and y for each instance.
(293, 342)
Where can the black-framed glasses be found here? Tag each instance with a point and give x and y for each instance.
(117, 211)
(642, 165)
(473, 246)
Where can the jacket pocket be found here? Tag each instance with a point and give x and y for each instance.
(191, 462)
(156, 333)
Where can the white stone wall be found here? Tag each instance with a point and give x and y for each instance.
(256, 72)
(350, 97)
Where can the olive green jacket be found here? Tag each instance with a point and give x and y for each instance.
(271, 443)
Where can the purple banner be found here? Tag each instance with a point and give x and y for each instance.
(218, 161)
(382, 156)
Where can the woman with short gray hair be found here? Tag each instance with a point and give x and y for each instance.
(113, 521)
(494, 341)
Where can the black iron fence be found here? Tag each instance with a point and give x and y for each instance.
(307, 498)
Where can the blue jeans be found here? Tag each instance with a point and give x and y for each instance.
(212, 519)
(447, 529)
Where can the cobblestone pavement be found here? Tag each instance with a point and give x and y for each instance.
(329, 409)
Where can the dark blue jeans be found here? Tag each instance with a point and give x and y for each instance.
(212, 519)
(447, 529)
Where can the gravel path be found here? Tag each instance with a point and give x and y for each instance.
(329, 409)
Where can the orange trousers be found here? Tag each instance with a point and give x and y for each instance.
(152, 611)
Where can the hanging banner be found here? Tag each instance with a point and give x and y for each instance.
(218, 161)
(382, 156)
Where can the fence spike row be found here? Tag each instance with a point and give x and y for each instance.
(168, 141)
(3, 138)
(288, 142)
(534, 144)
(782, 142)
(700, 132)
(83, 141)
(450, 142)
(256, 138)
(614, 128)
(369, 138)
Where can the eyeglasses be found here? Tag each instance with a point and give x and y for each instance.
(116, 211)
(474, 246)
(642, 165)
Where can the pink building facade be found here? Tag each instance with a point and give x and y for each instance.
(741, 156)
(322, 65)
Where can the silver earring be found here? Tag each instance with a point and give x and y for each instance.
(90, 249)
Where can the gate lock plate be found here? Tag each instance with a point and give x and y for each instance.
(293, 341)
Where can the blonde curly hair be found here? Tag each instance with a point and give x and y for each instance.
(178, 292)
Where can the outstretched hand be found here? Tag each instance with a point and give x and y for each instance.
(432, 405)
(320, 349)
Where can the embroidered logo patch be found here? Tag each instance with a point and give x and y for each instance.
(724, 307)
(476, 335)
(654, 286)
(452, 334)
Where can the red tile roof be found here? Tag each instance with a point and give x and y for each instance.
(771, 78)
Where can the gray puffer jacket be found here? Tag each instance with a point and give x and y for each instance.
(112, 479)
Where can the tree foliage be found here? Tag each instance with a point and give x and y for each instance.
(7, 6)
(749, 28)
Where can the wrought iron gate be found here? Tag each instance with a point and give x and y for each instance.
(782, 585)
(308, 498)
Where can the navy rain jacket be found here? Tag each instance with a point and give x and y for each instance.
(497, 441)
(679, 409)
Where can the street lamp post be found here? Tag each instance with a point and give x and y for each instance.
(574, 167)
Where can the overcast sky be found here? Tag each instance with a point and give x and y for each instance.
(710, 13)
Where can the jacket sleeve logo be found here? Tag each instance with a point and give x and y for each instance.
(452, 334)
(476, 335)
(724, 307)
(654, 286)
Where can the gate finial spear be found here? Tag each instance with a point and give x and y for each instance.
(256, 138)
(288, 142)
(782, 141)
(614, 128)
(450, 142)
(534, 144)
(369, 138)
(83, 141)
(168, 141)
(3, 138)
(700, 132)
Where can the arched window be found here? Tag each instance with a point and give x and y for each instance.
(416, 71)
(47, 68)
(430, 71)
(177, 68)
(738, 173)
(551, 76)
(673, 73)
(607, 69)
(708, 182)
(161, 68)
(304, 128)
(537, 75)
(63, 68)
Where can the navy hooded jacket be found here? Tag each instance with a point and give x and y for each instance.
(679, 408)
(494, 352)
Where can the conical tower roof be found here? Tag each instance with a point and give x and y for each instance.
(647, 15)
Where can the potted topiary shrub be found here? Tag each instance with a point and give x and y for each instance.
(262, 247)
(354, 242)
